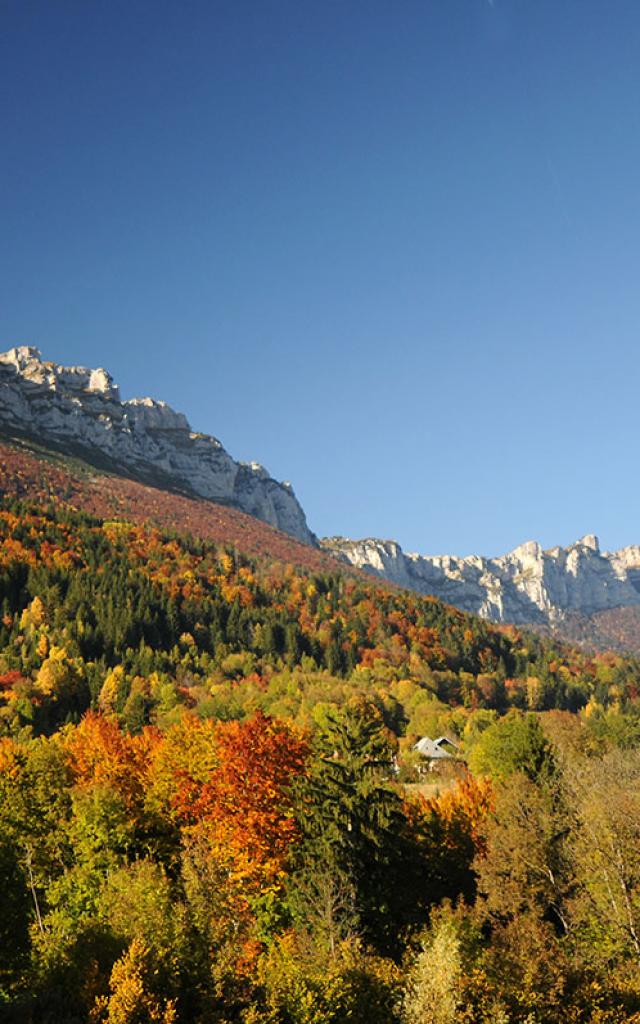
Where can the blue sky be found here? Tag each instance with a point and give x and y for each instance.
(390, 250)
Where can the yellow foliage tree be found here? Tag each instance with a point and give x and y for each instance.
(132, 1000)
(434, 986)
(43, 645)
(226, 565)
(111, 690)
(34, 616)
(57, 674)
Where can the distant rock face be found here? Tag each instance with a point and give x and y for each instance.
(78, 410)
(528, 585)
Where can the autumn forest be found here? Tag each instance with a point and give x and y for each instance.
(212, 811)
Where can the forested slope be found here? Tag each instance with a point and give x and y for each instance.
(99, 613)
(39, 474)
(210, 809)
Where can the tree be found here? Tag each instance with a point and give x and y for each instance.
(99, 753)
(450, 829)
(16, 909)
(525, 866)
(301, 988)
(433, 991)
(515, 743)
(352, 822)
(605, 846)
(35, 807)
(244, 806)
(112, 692)
(134, 998)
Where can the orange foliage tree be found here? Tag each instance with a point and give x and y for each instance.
(99, 753)
(244, 806)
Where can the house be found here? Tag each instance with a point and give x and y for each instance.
(437, 751)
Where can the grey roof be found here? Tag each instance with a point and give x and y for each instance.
(433, 749)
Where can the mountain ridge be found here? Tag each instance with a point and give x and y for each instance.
(78, 410)
(527, 586)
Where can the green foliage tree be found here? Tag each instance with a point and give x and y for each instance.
(515, 743)
(352, 825)
(525, 866)
(605, 848)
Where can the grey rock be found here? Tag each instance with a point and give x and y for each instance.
(528, 585)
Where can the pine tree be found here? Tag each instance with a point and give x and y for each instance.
(351, 817)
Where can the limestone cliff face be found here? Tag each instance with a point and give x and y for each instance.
(528, 585)
(79, 410)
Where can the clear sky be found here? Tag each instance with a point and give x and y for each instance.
(389, 249)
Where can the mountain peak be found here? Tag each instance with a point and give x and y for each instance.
(590, 541)
(530, 549)
(20, 355)
(28, 364)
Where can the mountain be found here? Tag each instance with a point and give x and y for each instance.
(78, 411)
(160, 690)
(529, 586)
(68, 436)
(184, 732)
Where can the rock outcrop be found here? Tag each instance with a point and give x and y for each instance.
(526, 586)
(78, 411)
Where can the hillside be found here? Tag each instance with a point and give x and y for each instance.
(140, 459)
(35, 473)
(180, 615)
(615, 629)
(31, 471)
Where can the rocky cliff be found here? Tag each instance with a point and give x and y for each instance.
(79, 411)
(528, 585)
